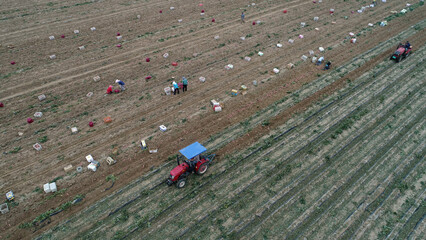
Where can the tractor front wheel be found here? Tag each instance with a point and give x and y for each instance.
(202, 169)
(181, 183)
(399, 58)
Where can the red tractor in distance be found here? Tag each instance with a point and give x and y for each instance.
(401, 53)
(194, 162)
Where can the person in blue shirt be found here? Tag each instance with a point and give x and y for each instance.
(175, 88)
(242, 17)
(407, 45)
(121, 84)
(184, 84)
(327, 65)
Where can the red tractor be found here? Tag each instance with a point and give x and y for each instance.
(194, 162)
(401, 53)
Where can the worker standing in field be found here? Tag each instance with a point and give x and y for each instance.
(121, 84)
(242, 17)
(184, 84)
(175, 88)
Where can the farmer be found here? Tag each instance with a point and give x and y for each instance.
(327, 65)
(319, 62)
(121, 84)
(184, 84)
(109, 90)
(175, 88)
(242, 17)
(407, 45)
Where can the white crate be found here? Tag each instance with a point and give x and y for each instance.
(92, 167)
(76, 31)
(214, 102)
(110, 161)
(291, 41)
(216, 37)
(217, 109)
(304, 58)
(68, 168)
(166, 55)
(302, 24)
(89, 94)
(260, 53)
(311, 52)
(97, 78)
(202, 79)
(46, 188)
(52, 37)
(279, 45)
(119, 37)
(53, 187)
(38, 114)
(321, 49)
(41, 97)
(276, 70)
(180, 20)
(93, 29)
(167, 90)
(81, 48)
(89, 158)
(247, 59)
(229, 66)
(74, 130)
(37, 146)
(163, 128)
(52, 57)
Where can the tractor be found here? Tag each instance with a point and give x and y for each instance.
(400, 53)
(190, 161)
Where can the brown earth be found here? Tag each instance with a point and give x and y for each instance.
(67, 79)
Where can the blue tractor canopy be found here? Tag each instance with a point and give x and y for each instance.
(193, 150)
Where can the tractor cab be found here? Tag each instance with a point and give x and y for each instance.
(191, 160)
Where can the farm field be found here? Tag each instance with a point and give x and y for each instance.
(306, 153)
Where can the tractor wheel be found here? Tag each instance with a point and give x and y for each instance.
(407, 54)
(203, 168)
(399, 58)
(181, 183)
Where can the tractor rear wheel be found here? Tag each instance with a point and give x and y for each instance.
(202, 169)
(407, 54)
(399, 58)
(181, 183)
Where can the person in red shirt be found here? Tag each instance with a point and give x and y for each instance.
(109, 90)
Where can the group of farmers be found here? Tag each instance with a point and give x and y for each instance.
(120, 84)
(175, 86)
